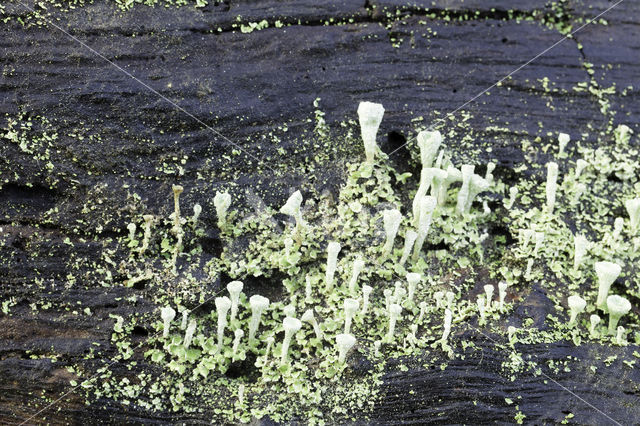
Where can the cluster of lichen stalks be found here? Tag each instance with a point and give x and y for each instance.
(436, 178)
(432, 178)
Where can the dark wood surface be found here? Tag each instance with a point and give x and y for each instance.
(244, 85)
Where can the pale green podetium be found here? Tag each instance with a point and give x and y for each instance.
(617, 306)
(223, 304)
(607, 273)
(594, 320)
(258, 305)
(427, 206)
(358, 266)
(576, 306)
(429, 142)
(350, 308)
(291, 327)
(234, 288)
(167, 314)
(333, 249)
(391, 220)
(222, 201)
(344, 342)
(409, 240)
(633, 208)
(580, 248)
(552, 185)
(370, 116)
(311, 319)
(148, 222)
(366, 293)
(293, 208)
(394, 314)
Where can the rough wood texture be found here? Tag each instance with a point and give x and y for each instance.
(243, 85)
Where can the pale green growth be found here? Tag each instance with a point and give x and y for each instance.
(293, 208)
(167, 314)
(394, 313)
(448, 319)
(539, 241)
(197, 211)
(618, 224)
(488, 176)
(270, 341)
(488, 291)
(439, 177)
(258, 305)
(222, 201)
(118, 326)
(438, 296)
(594, 320)
(580, 248)
(607, 273)
(366, 293)
(617, 306)
(185, 319)
(429, 143)
(177, 190)
(478, 185)
(413, 279)
(552, 185)
(311, 319)
(358, 266)
(472, 185)
(370, 116)
(450, 297)
(238, 334)
(376, 348)
(426, 178)
(527, 235)
(502, 294)
(409, 239)
(576, 306)
(223, 304)
(633, 208)
(234, 288)
(463, 194)
(132, 231)
(423, 311)
(399, 292)
(411, 336)
(620, 336)
(580, 166)
(622, 134)
(563, 140)
(511, 334)
(579, 190)
(453, 175)
(344, 342)
(188, 335)
(482, 309)
(241, 393)
(350, 308)
(307, 289)
(427, 206)
(148, 222)
(513, 193)
(333, 249)
(527, 273)
(176, 249)
(388, 295)
(289, 311)
(392, 220)
(291, 327)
